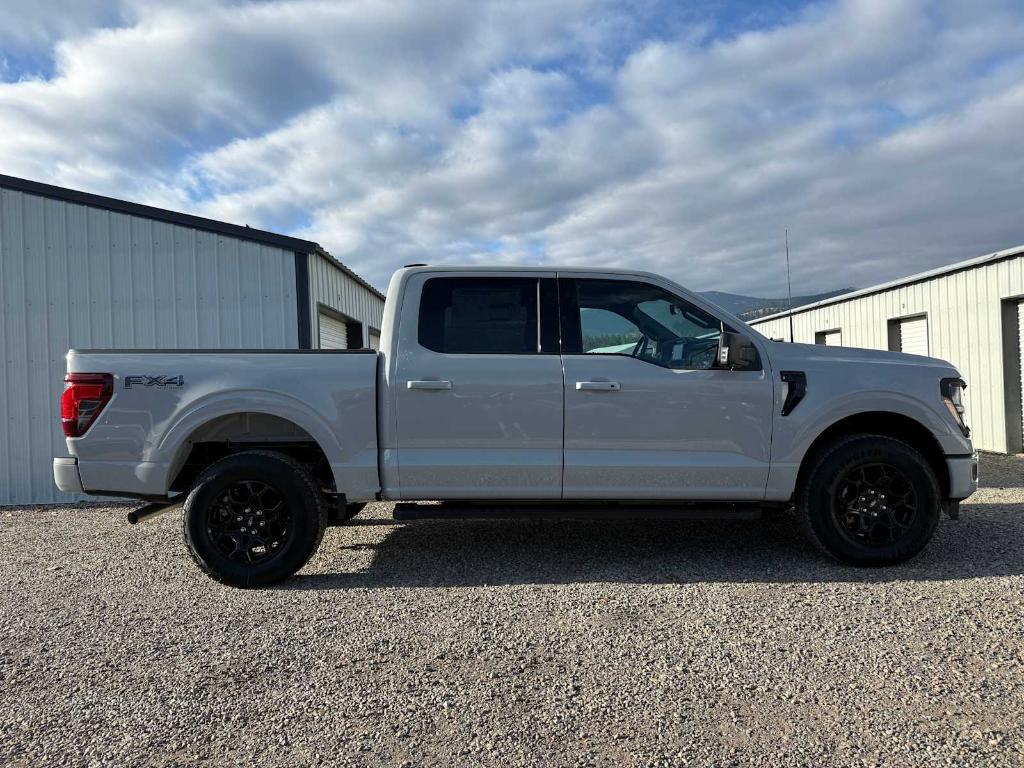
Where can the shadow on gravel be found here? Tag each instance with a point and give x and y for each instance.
(985, 542)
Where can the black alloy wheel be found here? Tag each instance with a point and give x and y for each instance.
(869, 500)
(249, 522)
(875, 503)
(254, 518)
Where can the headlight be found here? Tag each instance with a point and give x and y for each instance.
(953, 396)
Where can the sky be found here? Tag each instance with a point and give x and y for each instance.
(675, 137)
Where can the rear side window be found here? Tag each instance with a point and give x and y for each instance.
(480, 315)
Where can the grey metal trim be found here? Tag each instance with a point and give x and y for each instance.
(302, 300)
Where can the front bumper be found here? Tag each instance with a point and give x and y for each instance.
(963, 475)
(66, 476)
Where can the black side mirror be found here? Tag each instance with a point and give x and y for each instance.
(737, 352)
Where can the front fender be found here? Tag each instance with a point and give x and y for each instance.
(794, 434)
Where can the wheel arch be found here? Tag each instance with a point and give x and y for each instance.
(282, 425)
(885, 424)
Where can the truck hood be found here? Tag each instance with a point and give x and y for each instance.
(788, 355)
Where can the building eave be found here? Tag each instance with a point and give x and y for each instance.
(919, 277)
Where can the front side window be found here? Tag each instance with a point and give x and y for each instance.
(479, 315)
(646, 322)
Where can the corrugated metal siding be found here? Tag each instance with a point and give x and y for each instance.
(332, 288)
(78, 276)
(964, 317)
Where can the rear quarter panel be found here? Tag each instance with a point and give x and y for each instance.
(143, 435)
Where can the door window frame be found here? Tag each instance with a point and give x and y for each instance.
(572, 332)
(547, 322)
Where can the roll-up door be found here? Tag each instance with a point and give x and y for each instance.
(914, 335)
(333, 333)
(829, 338)
(374, 339)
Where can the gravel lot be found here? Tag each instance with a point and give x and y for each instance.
(515, 643)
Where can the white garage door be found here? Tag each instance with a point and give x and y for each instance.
(914, 335)
(829, 338)
(333, 333)
(374, 339)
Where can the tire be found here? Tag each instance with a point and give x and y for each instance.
(869, 500)
(278, 519)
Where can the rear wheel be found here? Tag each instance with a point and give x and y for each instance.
(253, 519)
(870, 500)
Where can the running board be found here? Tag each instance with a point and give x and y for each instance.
(407, 510)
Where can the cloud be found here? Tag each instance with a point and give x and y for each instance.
(882, 134)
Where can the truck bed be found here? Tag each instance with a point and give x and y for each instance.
(165, 402)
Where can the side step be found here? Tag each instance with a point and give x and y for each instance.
(410, 510)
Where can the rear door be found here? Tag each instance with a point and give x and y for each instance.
(479, 387)
(647, 413)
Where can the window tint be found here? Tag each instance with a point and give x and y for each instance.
(646, 322)
(479, 315)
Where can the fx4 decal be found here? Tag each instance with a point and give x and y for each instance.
(153, 381)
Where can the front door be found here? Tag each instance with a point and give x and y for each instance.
(648, 415)
(479, 388)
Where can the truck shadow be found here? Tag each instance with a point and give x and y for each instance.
(986, 541)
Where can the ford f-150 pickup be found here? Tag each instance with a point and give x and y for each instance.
(544, 391)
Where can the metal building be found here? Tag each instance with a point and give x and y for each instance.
(81, 270)
(970, 313)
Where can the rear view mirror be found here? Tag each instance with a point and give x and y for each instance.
(737, 352)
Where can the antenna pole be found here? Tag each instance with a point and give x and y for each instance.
(789, 287)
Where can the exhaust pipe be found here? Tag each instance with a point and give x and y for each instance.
(136, 516)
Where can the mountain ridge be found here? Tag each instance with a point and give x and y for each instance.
(752, 307)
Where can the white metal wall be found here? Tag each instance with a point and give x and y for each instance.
(78, 276)
(964, 327)
(331, 287)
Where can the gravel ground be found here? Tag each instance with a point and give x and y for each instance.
(515, 643)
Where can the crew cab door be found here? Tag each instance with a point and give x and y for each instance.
(647, 413)
(479, 387)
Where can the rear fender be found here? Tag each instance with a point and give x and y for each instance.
(171, 448)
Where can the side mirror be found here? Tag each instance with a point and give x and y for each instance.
(737, 352)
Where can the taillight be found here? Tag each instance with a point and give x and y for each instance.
(85, 395)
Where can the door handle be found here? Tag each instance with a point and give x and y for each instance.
(598, 386)
(430, 386)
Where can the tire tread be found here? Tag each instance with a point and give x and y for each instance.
(803, 495)
(300, 471)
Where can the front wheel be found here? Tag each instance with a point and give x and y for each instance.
(253, 519)
(870, 500)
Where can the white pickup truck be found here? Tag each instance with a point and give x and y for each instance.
(544, 391)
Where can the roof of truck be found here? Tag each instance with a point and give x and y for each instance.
(537, 268)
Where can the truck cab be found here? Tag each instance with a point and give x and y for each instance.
(541, 389)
